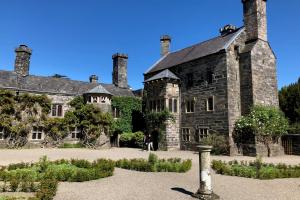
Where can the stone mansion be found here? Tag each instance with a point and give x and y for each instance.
(209, 85)
(62, 90)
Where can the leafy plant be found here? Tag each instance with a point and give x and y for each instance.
(265, 122)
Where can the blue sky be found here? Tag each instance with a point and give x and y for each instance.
(77, 38)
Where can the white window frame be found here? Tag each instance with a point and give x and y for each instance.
(172, 105)
(37, 130)
(186, 134)
(74, 132)
(116, 112)
(201, 133)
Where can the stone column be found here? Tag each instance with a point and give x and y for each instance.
(205, 189)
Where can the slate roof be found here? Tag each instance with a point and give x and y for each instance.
(164, 74)
(52, 85)
(196, 51)
(98, 90)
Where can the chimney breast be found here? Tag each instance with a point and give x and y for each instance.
(119, 75)
(22, 61)
(165, 43)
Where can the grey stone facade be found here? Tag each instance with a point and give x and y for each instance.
(222, 78)
(62, 90)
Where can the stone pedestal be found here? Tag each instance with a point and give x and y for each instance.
(205, 189)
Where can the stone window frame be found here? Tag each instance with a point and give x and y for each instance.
(74, 132)
(210, 108)
(190, 105)
(2, 132)
(201, 133)
(186, 134)
(156, 105)
(57, 110)
(38, 132)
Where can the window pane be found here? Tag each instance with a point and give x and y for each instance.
(170, 105)
(39, 136)
(59, 110)
(54, 110)
(33, 136)
(175, 106)
(192, 106)
(210, 102)
(158, 105)
(1, 136)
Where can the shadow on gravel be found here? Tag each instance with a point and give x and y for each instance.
(182, 191)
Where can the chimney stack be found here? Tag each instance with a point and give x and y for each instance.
(22, 61)
(165, 43)
(227, 29)
(119, 75)
(93, 79)
(255, 19)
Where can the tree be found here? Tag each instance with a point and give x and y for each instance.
(289, 101)
(267, 123)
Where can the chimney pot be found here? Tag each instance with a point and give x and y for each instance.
(93, 79)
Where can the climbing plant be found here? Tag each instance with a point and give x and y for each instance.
(156, 121)
(90, 120)
(128, 107)
(19, 113)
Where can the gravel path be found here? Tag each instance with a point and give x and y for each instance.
(131, 185)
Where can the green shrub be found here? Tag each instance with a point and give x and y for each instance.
(47, 189)
(218, 142)
(43, 164)
(14, 183)
(70, 145)
(81, 163)
(21, 165)
(153, 164)
(132, 139)
(61, 172)
(256, 169)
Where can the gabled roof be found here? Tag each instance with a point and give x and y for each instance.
(196, 51)
(164, 74)
(52, 85)
(98, 90)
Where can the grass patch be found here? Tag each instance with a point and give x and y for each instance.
(153, 164)
(70, 145)
(256, 169)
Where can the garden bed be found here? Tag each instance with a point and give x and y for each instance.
(256, 169)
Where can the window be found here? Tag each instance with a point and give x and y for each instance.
(173, 105)
(74, 133)
(185, 134)
(201, 134)
(210, 104)
(1, 133)
(190, 80)
(116, 112)
(158, 106)
(210, 77)
(37, 133)
(190, 106)
(95, 100)
(56, 110)
(102, 99)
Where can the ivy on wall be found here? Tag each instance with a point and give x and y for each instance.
(130, 108)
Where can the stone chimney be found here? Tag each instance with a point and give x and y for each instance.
(255, 19)
(93, 79)
(119, 75)
(165, 43)
(227, 29)
(22, 61)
